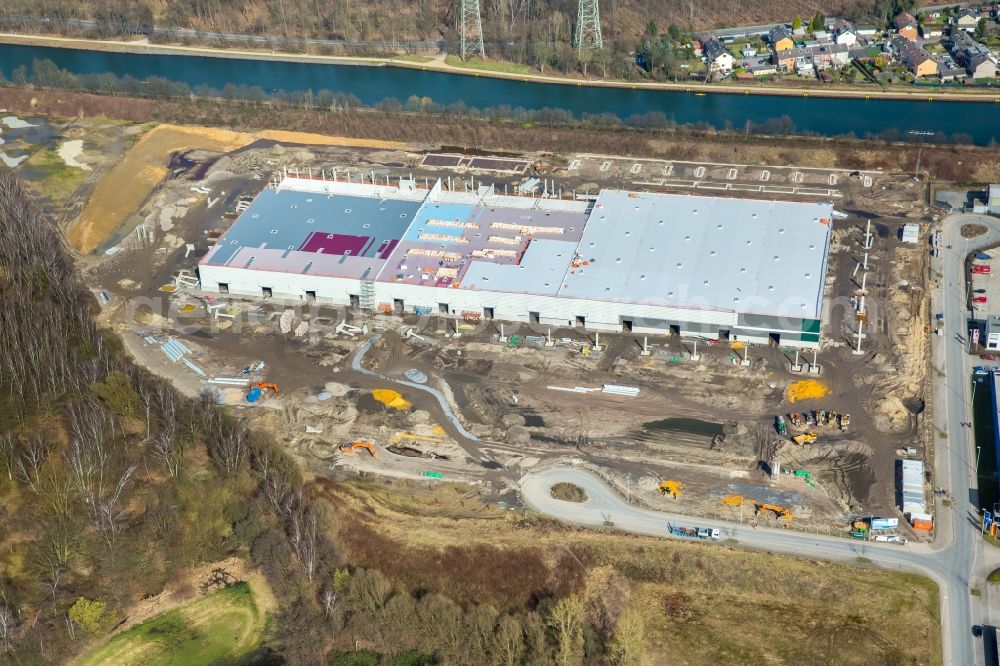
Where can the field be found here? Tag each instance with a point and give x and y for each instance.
(702, 604)
(222, 626)
(488, 65)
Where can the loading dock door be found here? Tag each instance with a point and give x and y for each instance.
(627, 325)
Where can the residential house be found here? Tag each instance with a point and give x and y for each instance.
(822, 36)
(718, 58)
(977, 59)
(785, 59)
(906, 26)
(748, 51)
(780, 38)
(804, 66)
(932, 30)
(831, 55)
(844, 33)
(982, 66)
(967, 19)
(762, 68)
(867, 31)
(914, 57)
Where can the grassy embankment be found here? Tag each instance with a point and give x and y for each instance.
(220, 627)
(487, 65)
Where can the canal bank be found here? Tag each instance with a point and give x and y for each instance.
(438, 64)
(802, 112)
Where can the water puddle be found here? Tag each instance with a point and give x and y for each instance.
(685, 425)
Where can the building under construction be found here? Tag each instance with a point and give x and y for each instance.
(724, 268)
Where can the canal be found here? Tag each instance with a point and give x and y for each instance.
(978, 122)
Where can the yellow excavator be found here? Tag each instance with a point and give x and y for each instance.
(806, 438)
(672, 488)
(359, 444)
(779, 511)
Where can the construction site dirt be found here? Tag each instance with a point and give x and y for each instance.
(489, 410)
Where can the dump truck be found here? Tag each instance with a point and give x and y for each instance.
(796, 419)
(694, 532)
(845, 420)
(779, 425)
(806, 438)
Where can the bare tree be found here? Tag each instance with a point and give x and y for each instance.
(31, 459)
(230, 446)
(508, 643)
(9, 622)
(566, 620)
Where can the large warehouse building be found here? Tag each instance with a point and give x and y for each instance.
(648, 263)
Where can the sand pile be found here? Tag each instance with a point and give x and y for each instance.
(806, 389)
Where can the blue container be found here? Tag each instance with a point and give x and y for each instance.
(253, 395)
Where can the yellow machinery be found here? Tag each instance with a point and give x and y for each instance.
(779, 511)
(359, 444)
(807, 438)
(672, 488)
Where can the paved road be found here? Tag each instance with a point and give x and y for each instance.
(961, 549)
(956, 561)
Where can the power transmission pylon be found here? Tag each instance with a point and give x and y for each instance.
(588, 26)
(472, 30)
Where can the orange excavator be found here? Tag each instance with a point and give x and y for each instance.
(779, 511)
(360, 444)
(268, 385)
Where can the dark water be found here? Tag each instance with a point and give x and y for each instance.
(980, 121)
(690, 426)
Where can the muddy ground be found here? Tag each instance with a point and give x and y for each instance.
(708, 424)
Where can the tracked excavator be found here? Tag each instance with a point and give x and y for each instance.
(359, 444)
(779, 511)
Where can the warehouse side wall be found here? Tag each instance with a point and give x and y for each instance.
(536, 309)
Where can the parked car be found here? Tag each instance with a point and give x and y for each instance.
(979, 291)
(988, 357)
(980, 269)
(979, 299)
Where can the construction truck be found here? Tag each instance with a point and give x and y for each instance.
(796, 419)
(845, 420)
(778, 511)
(805, 438)
(359, 444)
(672, 488)
(779, 425)
(694, 532)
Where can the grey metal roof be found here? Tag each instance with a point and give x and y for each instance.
(760, 257)
(284, 219)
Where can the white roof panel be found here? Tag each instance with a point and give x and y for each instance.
(747, 256)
